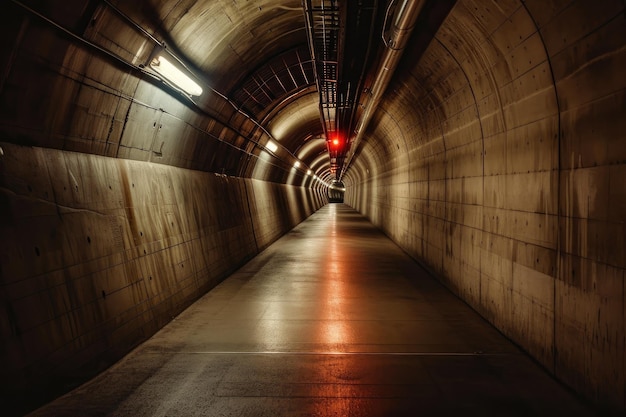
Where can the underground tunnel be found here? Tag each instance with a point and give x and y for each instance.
(150, 149)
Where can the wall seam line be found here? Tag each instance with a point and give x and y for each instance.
(245, 186)
(482, 140)
(558, 256)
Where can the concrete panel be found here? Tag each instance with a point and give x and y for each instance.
(543, 192)
(465, 190)
(490, 17)
(617, 193)
(544, 10)
(590, 307)
(94, 121)
(496, 280)
(527, 84)
(466, 160)
(492, 120)
(531, 108)
(568, 25)
(512, 31)
(533, 147)
(98, 253)
(495, 161)
(494, 189)
(525, 57)
(585, 192)
(600, 79)
(533, 311)
(594, 134)
(143, 126)
(536, 192)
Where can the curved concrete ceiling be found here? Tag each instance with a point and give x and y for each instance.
(251, 59)
(225, 39)
(254, 54)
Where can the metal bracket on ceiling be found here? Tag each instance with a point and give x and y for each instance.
(340, 35)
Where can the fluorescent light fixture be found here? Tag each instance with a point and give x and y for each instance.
(296, 164)
(170, 72)
(271, 146)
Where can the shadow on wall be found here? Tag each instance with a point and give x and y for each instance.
(97, 254)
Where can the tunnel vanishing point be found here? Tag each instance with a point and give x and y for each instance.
(150, 148)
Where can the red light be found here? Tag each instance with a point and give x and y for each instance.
(335, 142)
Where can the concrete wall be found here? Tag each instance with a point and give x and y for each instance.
(121, 200)
(98, 253)
(498, 159)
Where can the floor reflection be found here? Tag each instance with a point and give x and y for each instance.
(326, 322)
(333, 331)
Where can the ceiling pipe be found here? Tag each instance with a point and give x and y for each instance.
(404, 20)
(141, 68)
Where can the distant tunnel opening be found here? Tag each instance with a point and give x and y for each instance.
(336, 192)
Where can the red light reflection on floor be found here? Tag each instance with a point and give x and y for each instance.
(334, 331)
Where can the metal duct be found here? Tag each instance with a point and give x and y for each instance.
(403, 20)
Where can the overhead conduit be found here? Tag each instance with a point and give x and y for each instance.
(403, 22)
(149, 73)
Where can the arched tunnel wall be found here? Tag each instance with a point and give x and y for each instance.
(121, 200)
(498, 159)
(98, 253)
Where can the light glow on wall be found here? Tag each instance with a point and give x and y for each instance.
(271, 146)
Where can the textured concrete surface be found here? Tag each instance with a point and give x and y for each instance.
(99, 253)
(331, 320)
(501, 167)
(497, 158)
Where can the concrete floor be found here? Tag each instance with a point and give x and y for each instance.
(331, 320)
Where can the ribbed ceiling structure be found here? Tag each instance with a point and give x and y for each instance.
(264, 68)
